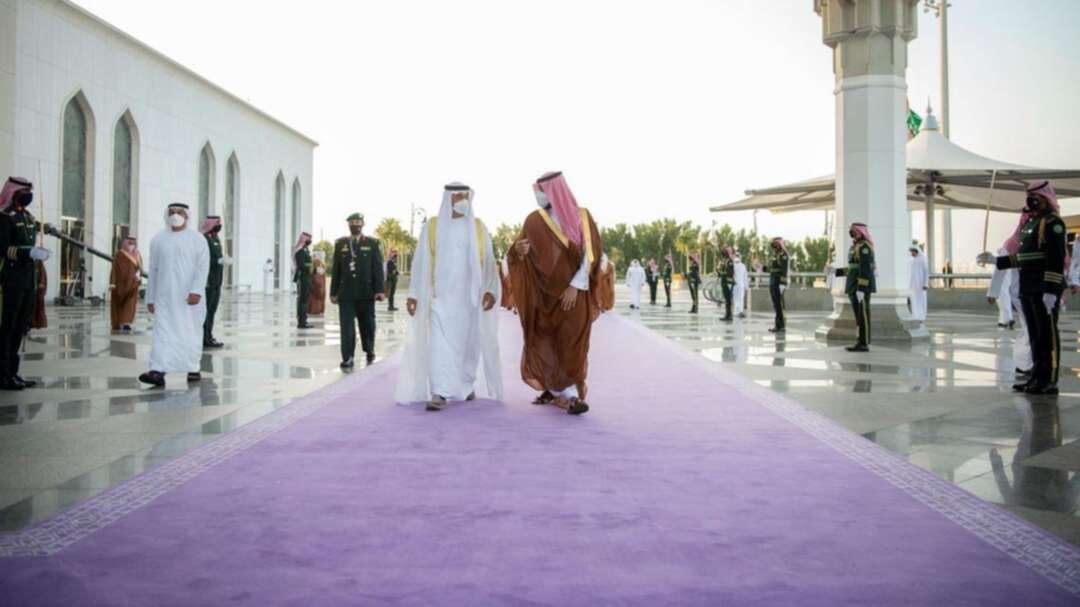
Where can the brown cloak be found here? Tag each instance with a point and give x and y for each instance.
(556, 351)
(124, 282)
(39, 320)
(317, 299)
(507, 294)
(605, 291)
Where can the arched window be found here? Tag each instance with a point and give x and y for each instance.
(77, 187)
(279, 228)
(297, 216)
(206, 181)
(124, 177)
(232, 194)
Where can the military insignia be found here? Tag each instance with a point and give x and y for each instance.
(866, 250)
(1058, 229)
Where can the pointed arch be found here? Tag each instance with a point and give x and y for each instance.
(232, 202)
(279, 227)
(206, 180)
(297, 207)
(125, 177)
(78, 131)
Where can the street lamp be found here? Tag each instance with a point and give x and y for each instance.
(940, 8)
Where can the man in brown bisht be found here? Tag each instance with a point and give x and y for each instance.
(124, 281)
(317, 300)
(555, 273)
(605, 291)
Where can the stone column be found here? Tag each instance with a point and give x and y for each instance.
(8, 19)
(869, 39)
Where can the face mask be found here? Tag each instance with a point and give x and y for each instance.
(852, 234)
(216, 229)
(177, 220)
(355, 230)
(461, 207)
(23, 199)
(1032, 203)
(542, 199)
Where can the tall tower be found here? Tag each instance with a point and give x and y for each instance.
(869, 39)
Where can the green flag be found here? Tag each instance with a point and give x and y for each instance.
(914, 123)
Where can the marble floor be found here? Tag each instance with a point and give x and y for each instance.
(943, 405)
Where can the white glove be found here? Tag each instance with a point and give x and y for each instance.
(1050, 301)
(39, 253)
(226, 261)
(782, 289)
(986, 258)
(859, 295)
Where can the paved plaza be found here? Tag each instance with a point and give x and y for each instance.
(944, 405)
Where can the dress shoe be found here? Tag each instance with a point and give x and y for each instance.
(577, 407)
(776, 329)
(194, 377)
(437, 403)
(1041, 389)
(858, 348)
(26, 383)
(154, 378)
(1020, 371)
(347, 363)
(1023, 386)
(305, 326)
(370, 357)
(9, 383)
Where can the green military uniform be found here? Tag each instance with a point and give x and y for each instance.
(778, 281)
(356, 280)
(18, 277)
(214, 280)
(302, 278)
(693, 280)
(725, 270)
(1041, 263)
(860, 279)
(391, 283)
(667, 284)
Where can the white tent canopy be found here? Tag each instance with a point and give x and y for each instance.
(940, 174)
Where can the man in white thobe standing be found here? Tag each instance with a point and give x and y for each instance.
(919, 283)
(179, 264)
(452, 330)
(1000, 293)
(635, 277)
(738, 293)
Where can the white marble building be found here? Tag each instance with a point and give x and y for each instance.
(111, 131)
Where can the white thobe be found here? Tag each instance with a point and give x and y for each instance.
(738, 292)
(919, 283)
(268, 279)
(1000, 283)
(455, 348)
(1005, 284)
(179, 264)
(635, 277)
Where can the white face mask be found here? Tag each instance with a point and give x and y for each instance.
(542, 199)
(177, 220)
(461, 207)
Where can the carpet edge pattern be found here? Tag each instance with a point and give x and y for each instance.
(1040, 551)
(53, 535)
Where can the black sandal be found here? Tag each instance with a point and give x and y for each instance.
(545, 398)
(577, 407)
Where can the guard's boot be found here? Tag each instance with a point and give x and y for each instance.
(858, 347)
(154, 378)
(9, 384)
(26, 383)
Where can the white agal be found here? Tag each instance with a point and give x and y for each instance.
(451, 349)
(179, 264)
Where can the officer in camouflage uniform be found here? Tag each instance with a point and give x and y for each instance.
(859, 282)
(1039, 254)
(210, 228)
(778, 281)
(725, 270)
(302, 277)
(355, 285)
(18, 276)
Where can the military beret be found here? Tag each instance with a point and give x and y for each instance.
(355, 217)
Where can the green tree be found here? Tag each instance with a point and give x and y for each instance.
(393, 236)
(503, 238)
(327, 248)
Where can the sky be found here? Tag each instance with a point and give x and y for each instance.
(652, 109)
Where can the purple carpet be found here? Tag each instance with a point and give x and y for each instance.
(685, 485)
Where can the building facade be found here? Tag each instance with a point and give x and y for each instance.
(111, 131)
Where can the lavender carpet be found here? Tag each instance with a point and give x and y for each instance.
(685, 485)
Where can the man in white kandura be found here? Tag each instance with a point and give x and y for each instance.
(739, 292)
(919, 282)
(452, 346)
(635, 277)
(179, 265)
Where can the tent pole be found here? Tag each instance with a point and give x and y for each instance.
(931, 243)
(989, 199)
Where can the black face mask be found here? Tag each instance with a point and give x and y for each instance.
(853, 235)
(23, 198)
(1032, 203)
(355, 230)
(216, 229)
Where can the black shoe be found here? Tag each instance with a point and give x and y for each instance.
(1002, 325)
(1012, 324)
(213, 343)
(577, 407)
(471, 396)
(1020, 371)
(154, 378)
(305, 326)
(437, 403)
(1041, 389)
(9, 384)
(26, 383)
(727, 319)
(858, 348)
(391, 309)
(667, 305)
(776, 329)
(194, 377)
(1023, 386)
(693, 310)
(347, 363)
(370, 357)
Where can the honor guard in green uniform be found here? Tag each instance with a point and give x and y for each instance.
(693, 281)
(725, 270)
(18, 276)
(355, 285)
(652, 276)
(668, 270)
(210, 228)
(302, 277)
(859, 282)
(391, 280)
(778, 281)
(1038, 250)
